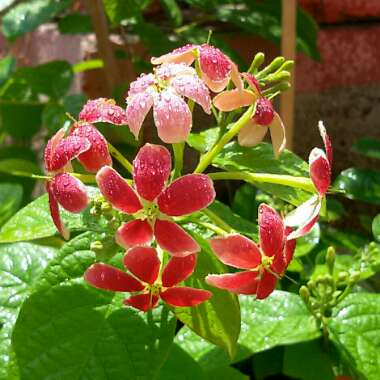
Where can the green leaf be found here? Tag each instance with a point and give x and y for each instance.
(217, 320)
(75, 23)
(73, 331)
(368, 147)
(359, 184)
(376, 227)
(20, 266)
(204, 140)
(173, 11)
(244, 202)
(260, 159)
(54, 117)
(74, 103)
(10, 200)
(268, 363)
(308, 361)
(27, 16)
(14, 165)
(89, 64)
(7, 66)
(119, 10)
(306, 243)
(355, 329)
(225, 373)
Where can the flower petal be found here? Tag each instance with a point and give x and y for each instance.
(103, 110)
(251, 134)
(143, 262)
(171, 70)
(54, 212)
(266, 285)
(290, 247)
(107, 277)
(236, 77)
(143, 302)
(253, 83)
(151, 169)
(264, 112)
(326, 141)
(98, 154)
(135, 232)
(231, 100)
(187, 194)
(239, 283)
(143, 82)
(183, 54)
(172, 117)
(69, 192)
(277, 132)
(236, 251)
(320, 171)
(178, 269)
(271, 231)
(184, 296)
(50, 148)
(172, 238)
(117, 191)
(214, 64)
(192, 87)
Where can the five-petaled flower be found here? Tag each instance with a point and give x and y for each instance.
(306, 215)
(153, 204)
(145, 278)
(164, 90)
(263, 264)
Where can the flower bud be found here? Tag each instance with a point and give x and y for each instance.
(355, 277)
(304, 293)
(96, 246)
(343, 277)
(330, 259)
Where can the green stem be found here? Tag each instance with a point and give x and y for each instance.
(19, 173)
(123, 161)
(218, 221)
(86, 178)
(279, 179)
(236, 127)
(210, 227)
(178, 159)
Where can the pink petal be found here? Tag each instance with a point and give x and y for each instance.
(178, 269)
(172, 238)
(117, 191)
(172, 70)
(135, 232)
(107, 277)
(143, 82)
(184, 296)
(187, 194)
(320, 171)
(50, 148)
(239, 283)
(236, 251)
(193, 88)
(143, 302)
(137, 109)
(266, 286)
(236, 77)
(98, 154)
(103, 110)
(184, 54)
(252, 134)
(277, 132)
(327, 142)
(143, 262)
(172, 117)
(230, 100)
(151, 169)
(271, 230)
(214, 64)
(54, 212)
(66, 150)
(252, 82)
(264, 112)
(215, 86)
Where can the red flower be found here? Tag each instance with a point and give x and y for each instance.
(306, 215)
(263, 263)
(153, 204)
(103, 110)
(144, 265)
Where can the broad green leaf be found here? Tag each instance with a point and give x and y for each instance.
(7, 65)
(260, 159)
(268, 363)
(119, 10)
(308, 361)
(75, 23)
(244, 202)
(74, 103)
(173, 11)
(10, 200)
(355, 329)
(26, 16)
(17, 165)
(306, 243)
(54, 117)
(376, 227)
(351, 241)
(368, 147)
(359, 184)
(225, 373)
(217, 320)
(204, 140)
(73, 331)
(20, 266)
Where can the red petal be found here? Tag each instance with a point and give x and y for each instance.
(151, 169)
(239, 283)
(184, 296)
(253, 83)
(106, 277)
(50, 148)
(187, 194)
(271, 230)
(135, 232)
(327, 142)
(290, 246)
(178, 269)
(66, 150)
(143, 262)
(103, 110)
(214, 63)
(143, 302)
(266, 286)
(117, 191)
(320, 171)
(98, 154)
(172, 238)
(236, 251)
(54, 212)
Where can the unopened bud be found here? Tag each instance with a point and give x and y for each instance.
(304, 293)
(355, 276)
(330, 259)
(343, 276)
(106, 207)
(96, 246)
(287, 65)
(256, 63)
(278, 77)
(94, 211)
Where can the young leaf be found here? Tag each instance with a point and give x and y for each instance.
(368, 147)
(376, 227)
(10, 200)
(75, 23)
(173, 11)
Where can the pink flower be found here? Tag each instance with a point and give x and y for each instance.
(144, 265)
(306, 215)
(103, 110)
(153, 204)
(264, 118)
(216, 68)
(164, 90)
(263, 264)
